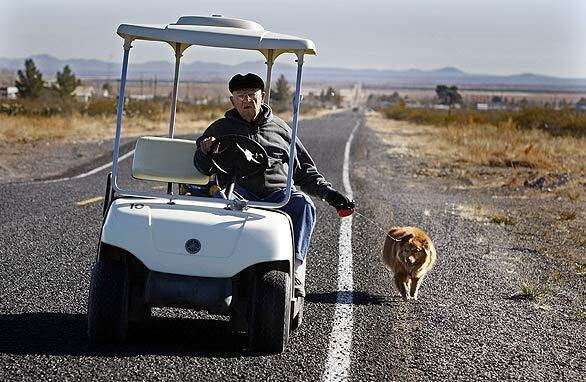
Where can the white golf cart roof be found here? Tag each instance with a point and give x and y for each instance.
(219, 31)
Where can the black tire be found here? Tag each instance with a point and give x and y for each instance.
(108, 302)
(139, 314)
(270, 312)
(298, 319)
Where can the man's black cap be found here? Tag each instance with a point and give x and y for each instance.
(247, 81)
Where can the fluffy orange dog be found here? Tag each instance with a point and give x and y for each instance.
(409, 254)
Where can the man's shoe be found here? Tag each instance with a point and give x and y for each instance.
(299, 288)
(299, 278)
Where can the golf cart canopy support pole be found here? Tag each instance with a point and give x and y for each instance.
(120, 111)
(293, 147)
(270, 61)
(178, 55)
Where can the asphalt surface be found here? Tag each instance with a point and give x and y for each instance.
(464, 327)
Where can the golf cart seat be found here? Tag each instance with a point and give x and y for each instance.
(166, 160)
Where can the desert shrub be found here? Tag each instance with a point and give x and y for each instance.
(147, 109)
(564, 122)
(155, 109)
(209, 111)
(100, 107)
(11, 108)
(47, 107)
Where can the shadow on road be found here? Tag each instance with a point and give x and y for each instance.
(65, 334)
(358, 298)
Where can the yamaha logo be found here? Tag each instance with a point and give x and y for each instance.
(192, 246)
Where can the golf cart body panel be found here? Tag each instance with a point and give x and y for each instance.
(159, 235)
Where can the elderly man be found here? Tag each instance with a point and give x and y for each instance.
(253, 119)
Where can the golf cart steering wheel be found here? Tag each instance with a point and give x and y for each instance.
(238, 156)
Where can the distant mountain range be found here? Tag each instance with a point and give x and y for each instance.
(214, 72)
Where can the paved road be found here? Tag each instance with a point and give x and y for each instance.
(48, 244)
(463, 328)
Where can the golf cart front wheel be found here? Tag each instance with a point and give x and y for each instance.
(270, 312)
(108, 302)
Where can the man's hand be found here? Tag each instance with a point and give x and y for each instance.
(340, 202)
(206, 145)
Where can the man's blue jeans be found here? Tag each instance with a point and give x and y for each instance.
(301, 210)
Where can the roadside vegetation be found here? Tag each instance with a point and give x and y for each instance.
(49, 111)
(33, 120)
(563, 122)
(530, 137)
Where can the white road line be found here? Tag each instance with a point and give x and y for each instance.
(338, 365)
(85, 174)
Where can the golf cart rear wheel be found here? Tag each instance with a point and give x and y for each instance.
(139, 314)
(270, 312)
(108, 302)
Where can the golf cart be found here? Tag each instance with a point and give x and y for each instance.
(226, 255)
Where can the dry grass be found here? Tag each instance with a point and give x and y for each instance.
(530, 290)
(579, 238)
(505, 145)
(580, 269)
(76, 127)
(502, 219)
(533, 138)
(568, 215)
(25, 129)
(502, 145)
(488, 155)
(563, 122)
(579, 315)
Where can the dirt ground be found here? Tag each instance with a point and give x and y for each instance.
(544, 211)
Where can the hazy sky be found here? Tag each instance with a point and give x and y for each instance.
(477, 36)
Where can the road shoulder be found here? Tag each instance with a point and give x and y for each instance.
(501, 303)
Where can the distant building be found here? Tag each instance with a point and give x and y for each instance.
(441, 107)
(8, 92)
(483, 106)
(141, 97)
(201, 101)
(84, 93)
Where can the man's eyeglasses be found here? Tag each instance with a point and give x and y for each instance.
(244, 96)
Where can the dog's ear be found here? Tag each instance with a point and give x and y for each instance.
(396, 233)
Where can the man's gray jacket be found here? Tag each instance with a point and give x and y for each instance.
(275, 136)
